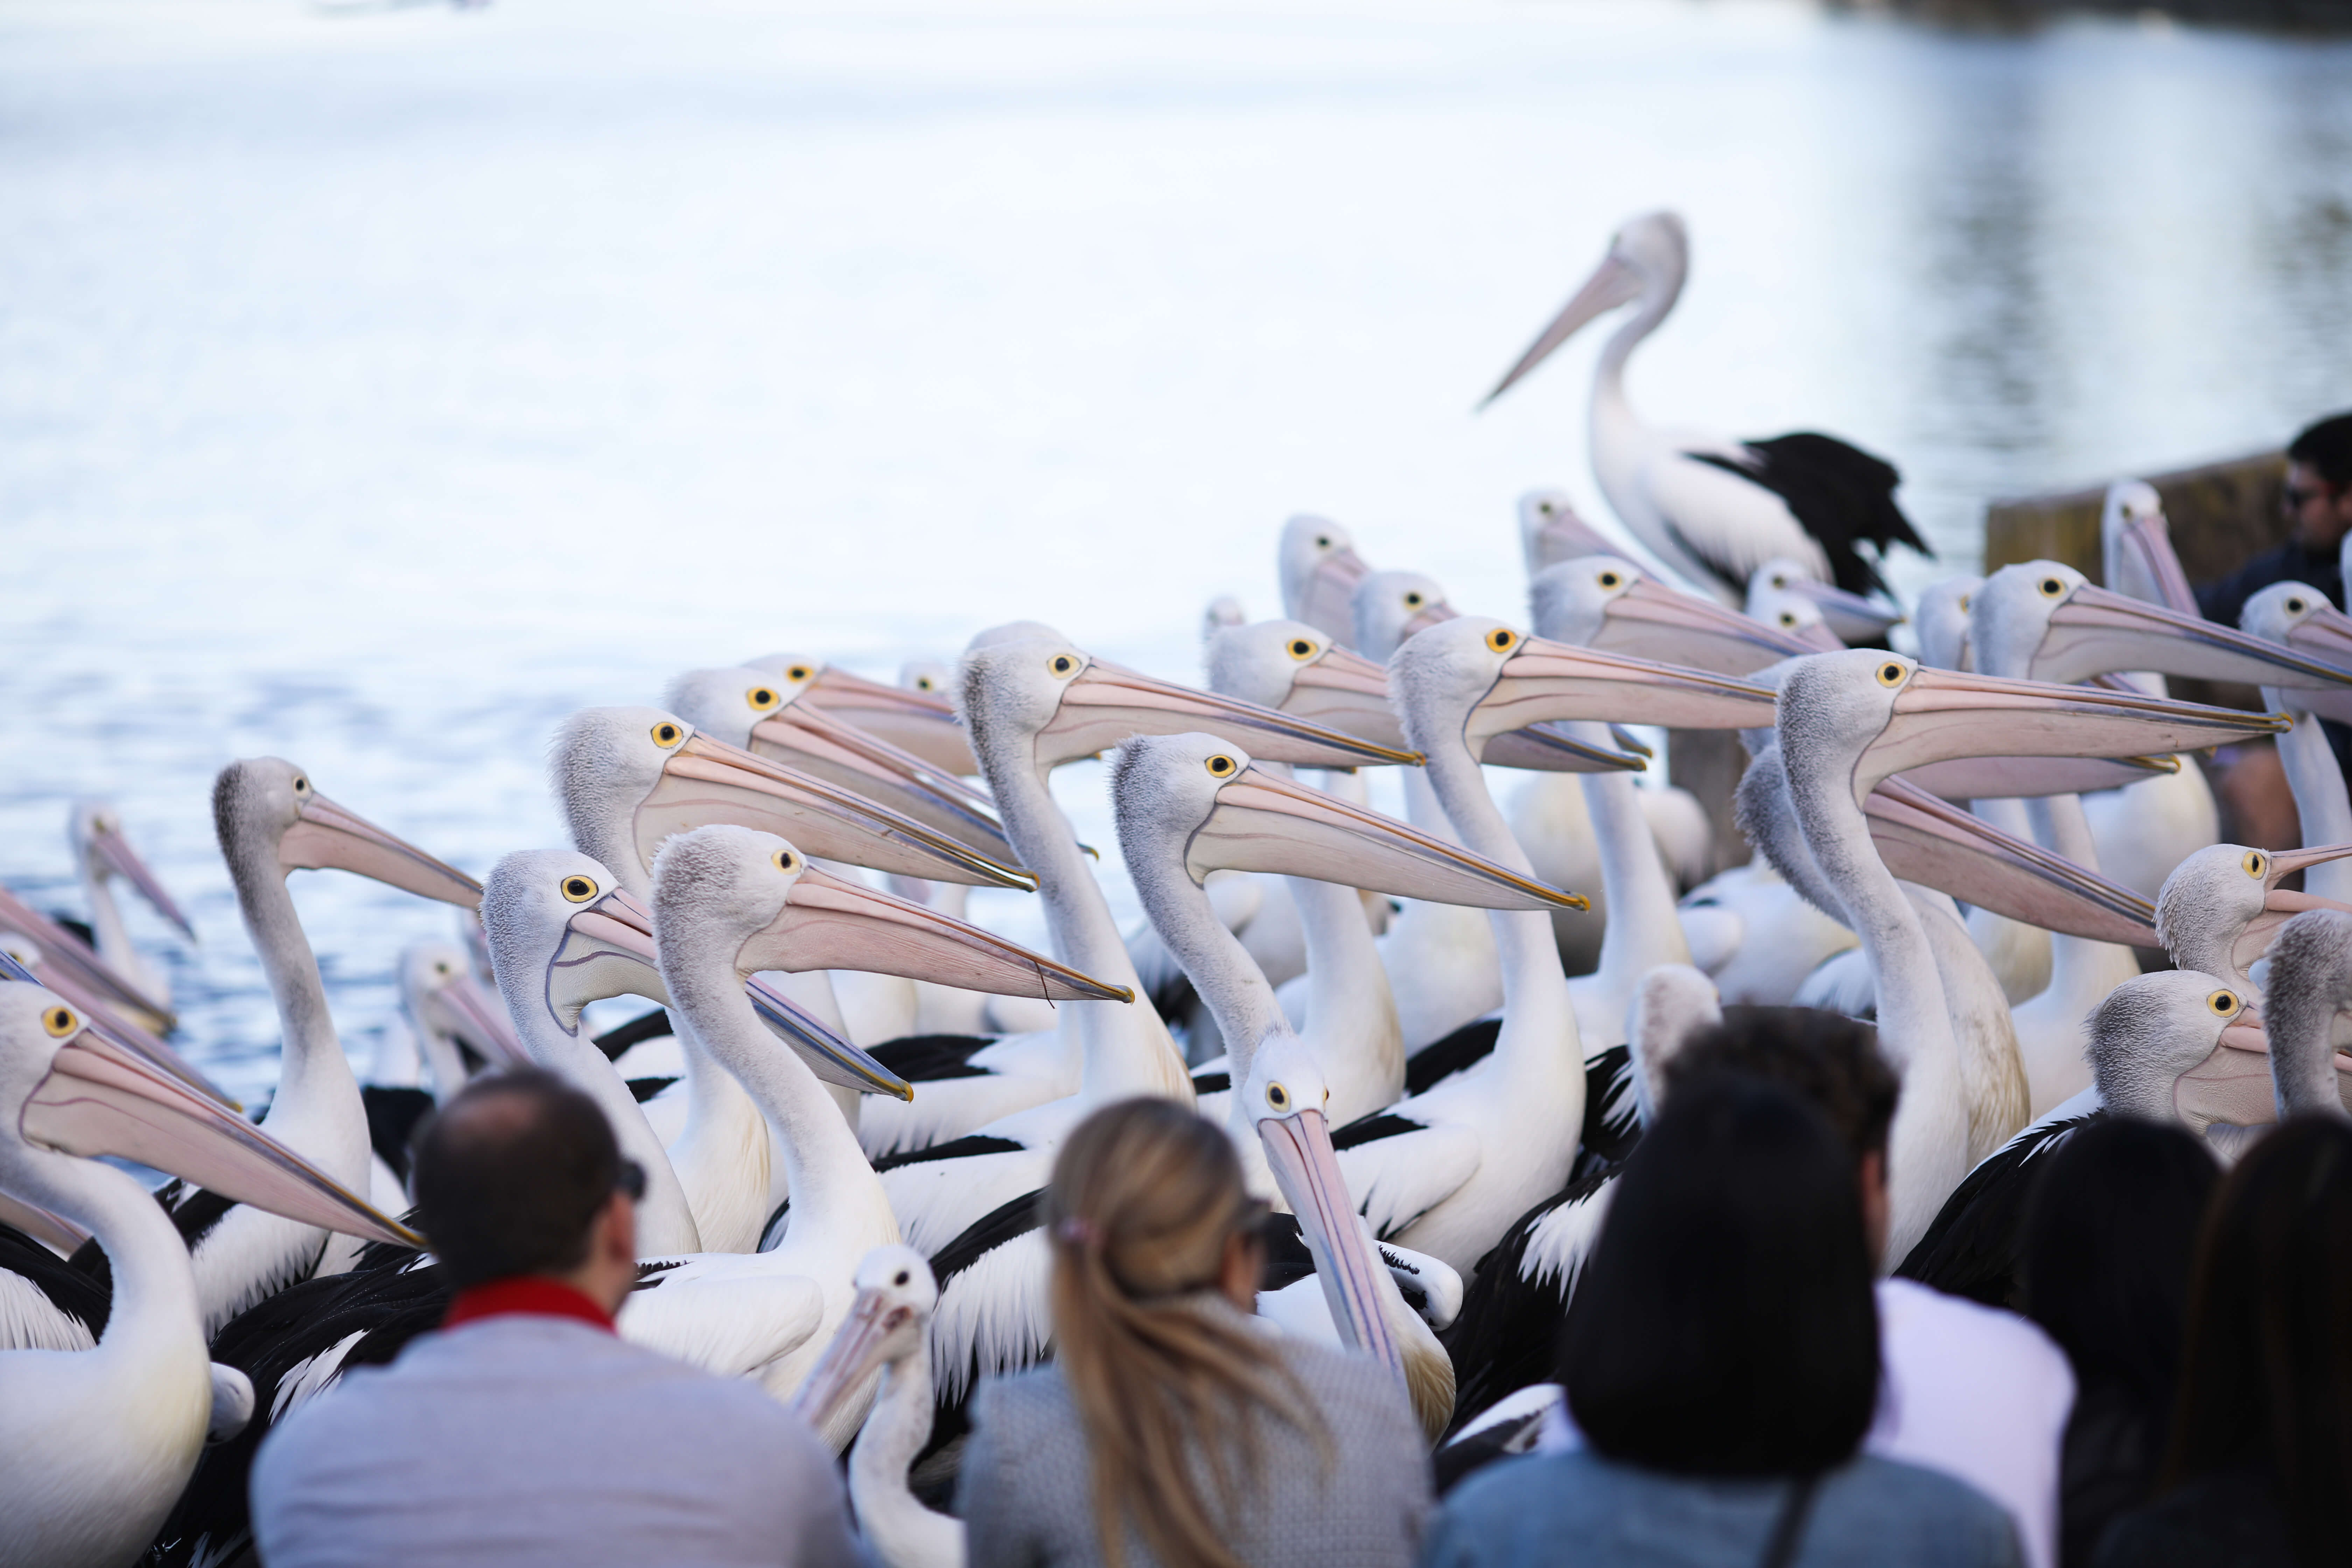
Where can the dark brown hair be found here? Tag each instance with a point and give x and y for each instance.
(1830, 1060)
(511, 1176)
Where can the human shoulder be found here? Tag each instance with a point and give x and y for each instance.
(1917, 1315)
(1882, 1499)
(1527, 1484)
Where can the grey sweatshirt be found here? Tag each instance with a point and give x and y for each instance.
(526, 1441)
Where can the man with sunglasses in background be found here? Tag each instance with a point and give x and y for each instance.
(2318, 500)
(526, 1432)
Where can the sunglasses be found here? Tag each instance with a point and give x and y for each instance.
(2294, 497)
(630, 1180)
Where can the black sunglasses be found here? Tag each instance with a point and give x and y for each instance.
(630, 1180)
(2294, 496)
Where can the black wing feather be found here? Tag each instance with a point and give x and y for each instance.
(1841, 495)
(1976, 1243)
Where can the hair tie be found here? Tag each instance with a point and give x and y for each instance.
(1076, 1229)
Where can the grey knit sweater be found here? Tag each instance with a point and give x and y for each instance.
(1026, 1499)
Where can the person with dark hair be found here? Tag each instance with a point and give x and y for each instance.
(1171, 1430)
(1721, 1360)
(2318, 500)
(2259, 1469)
(2108, 1240)
(527, 1432)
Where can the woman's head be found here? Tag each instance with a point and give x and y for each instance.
(1726, 1324)
(2267, 1378)
(2108, 1245)
(1152, 1231)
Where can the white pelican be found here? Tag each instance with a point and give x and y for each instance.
(76, 971)
(2300, 617)
(1318, 568)
(2223, 906)
(2304, 1015)
(1711, 507)
(887, 1330)
(95, 1445)
(103, 854)
(910, 716)
(1781, 591)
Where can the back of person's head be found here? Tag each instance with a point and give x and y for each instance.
(2267, 1379)
(1726, 1325)
(511, 1176)
(1827, 1059)
(2326, 447)
(2109, 1238)
(1147, 1200)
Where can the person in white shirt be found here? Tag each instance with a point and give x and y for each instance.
(1972, 1390)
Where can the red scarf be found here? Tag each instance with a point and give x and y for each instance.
(527, 1293)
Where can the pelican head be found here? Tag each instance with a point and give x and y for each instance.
(2136, 548)
(2298, 617)
(1319, 569)
(1606, 602)
(913, 717)
(888, 1324)
(455, 1015)
(1222, 613)
(627, 778)
(2306, 1013)
(2180, 1046)
(1941, 619)
(2220, 909)
(1850, 617)
(95, 829)
(271, 820)
(1551, 533)
(1647, 260)
(2046, 620)
(1292, 667)
(1036, 703)
(1391, 606)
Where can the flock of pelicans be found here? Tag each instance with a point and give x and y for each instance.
(848, 1099)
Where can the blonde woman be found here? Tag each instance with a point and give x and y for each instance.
(1174, 1430)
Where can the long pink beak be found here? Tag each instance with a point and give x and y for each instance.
(1307, 1170)
(805, 736)
(1612, 284)
(1551, 681)
(1924, 840)
(1650, 621)
(2325, 635)
(920, 722)
(2097, 631)
(70, 963)
(124, 861)
(1330, 596)
(876, 1321)
(2149, 540)
(2027, 778)
(1346, 691)
(1104, 705)
(328, 836)
(464, 1008)
(97, 1100)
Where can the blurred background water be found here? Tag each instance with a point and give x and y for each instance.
(378, 385)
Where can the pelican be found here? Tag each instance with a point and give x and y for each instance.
(2304, 1015)
(1712, 509)
(76, 970)
(96, 1443)
(449, 1029)
(1785, 588)
(1319, 569)
(2223, 906)
(101, 854)
(911, 716)
(1551, 531)
(886, 1331)
(2299, 616)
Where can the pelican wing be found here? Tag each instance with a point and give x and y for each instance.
(1401, 1169)
(730, 1313)
(1721, 516)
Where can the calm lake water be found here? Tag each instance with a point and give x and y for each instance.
(375, 387)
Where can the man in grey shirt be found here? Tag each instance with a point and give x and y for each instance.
(526, 1432)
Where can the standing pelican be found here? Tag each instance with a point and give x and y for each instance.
(1715, 509)
(2298, 617)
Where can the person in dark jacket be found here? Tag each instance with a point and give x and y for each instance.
(2318, 498)
(2109, 1247)
(2259, 1470)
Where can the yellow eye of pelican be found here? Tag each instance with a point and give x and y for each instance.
(1964, 601)
(1413, 600)
(1061, 663)
(2223, 1003)
(2254, 864)
(1222, 766)
(60, 1022)
(1277, 1097)
(2294, 607)
(1610, 579)
(301, 785)
(798, 673)
(580, 890)
(1301, 649)
(1544, 507)
(1788, 618)
(901, 1277)
(761, 698)
(922, 683)
(2051, 587)
(786, 860)
(1322, 541)
(1890, 674)
(667, 734)
(1502, 639)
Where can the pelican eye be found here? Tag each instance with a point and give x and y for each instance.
(2223, 1003)
(1301, 649)
(579, 890)
(1502, 639)
(1890, 674)
(1322, 541)
(1788, 618)
(301, 785)
(761, 699)
(60, 1022)
(2294, 607)
(798, 673)
(786, 860)
(2051, 587)
(1544, 507)
(1610, 579)
(1964, 601)
(1222, 766)
(901, 1277)
(1061, 663)
(1277, 1097)
(668, 734)
(922, 683)
(442, 967)
(1413, 600)
(2254, 864)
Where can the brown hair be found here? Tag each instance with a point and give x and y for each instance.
(1145, 1199)
(511, 1175)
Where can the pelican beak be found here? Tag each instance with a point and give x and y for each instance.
(467, 1009)
(707, 780)
(1298, 1151)
(2095, 632)
(1551, 681)
(1550, 749)
(99, 1099)
(1329, 598)
(1940, 714)
(1650, 621)
(2281, 905)
(123, 861)
(328, 836)
(2325, 635)
(859, 1347)
(1863, 615)
(2232, 1085)
(1434, 613)
(1104, 705)
(831, 923)
(103, 1021)
(51, 1230)
(616, 931)
(2027, 778)
(921, 722)
(2151, 541)
(807, 737)
(1344, 690)
(1924, 840)
(70, 969)
(1265, 822)
(1612, 284)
